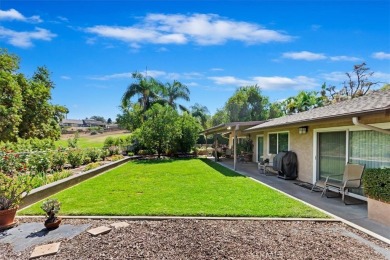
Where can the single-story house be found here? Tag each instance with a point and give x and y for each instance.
(72, 122)
(326, 138)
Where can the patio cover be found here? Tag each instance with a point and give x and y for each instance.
(232, 128)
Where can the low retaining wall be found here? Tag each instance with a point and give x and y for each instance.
(52, 188)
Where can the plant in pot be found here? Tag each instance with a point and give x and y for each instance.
(376, 185)
(51, 207)
(12, 189)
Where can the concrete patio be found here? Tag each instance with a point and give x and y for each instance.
(355, 214)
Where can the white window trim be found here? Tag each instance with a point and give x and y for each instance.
(277, 142)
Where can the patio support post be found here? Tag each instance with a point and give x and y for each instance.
(216, 147)
(235, 146)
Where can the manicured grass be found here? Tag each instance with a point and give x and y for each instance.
(176, 188)
(96, 141)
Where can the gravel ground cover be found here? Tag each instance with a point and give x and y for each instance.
(214, 239)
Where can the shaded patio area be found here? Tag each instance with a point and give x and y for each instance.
(356, 214)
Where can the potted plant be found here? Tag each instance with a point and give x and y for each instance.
(51, 207)
(376, 184)
(12, 189)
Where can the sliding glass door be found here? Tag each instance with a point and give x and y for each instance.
(332, 151)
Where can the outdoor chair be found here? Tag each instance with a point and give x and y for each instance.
(352, 178)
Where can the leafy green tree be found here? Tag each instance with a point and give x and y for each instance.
(131, 117)
(304, 101)
(201, 113)
(175, 91)
(109, 121)
(40, 118)
(247, 104)
(220, 117)
(189, 129)
(275, 110)
(11, 103)
(385, 87)
(159, 131)
(147, 88)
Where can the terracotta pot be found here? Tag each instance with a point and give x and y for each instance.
(7, 217)
(53, 225)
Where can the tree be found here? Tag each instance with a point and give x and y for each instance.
(304, 101)
(25, 108)
(177, 90)
(201, 113)
(131, 117)
(358, 84)
(109, 121)
(159, 130)
(275, 110)
(40, 118)
(147, 88)
(247, 104)
(189, 129)
(11, 103)
(98, 118)
(220, 117)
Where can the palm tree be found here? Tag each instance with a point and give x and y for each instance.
(147, 88)
(175, 91)
(201, 113)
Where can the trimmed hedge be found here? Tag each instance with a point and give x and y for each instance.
(376, 183)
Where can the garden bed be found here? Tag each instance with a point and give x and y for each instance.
(214, 239)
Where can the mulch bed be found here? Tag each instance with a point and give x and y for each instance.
(213, 239)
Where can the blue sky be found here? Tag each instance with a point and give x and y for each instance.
(213, 47)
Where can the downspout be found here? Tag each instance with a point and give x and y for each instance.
(235, 146)
(355, 121)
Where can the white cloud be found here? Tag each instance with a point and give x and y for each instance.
(230, 80)
(14, 15)
(66, 77)
(24, 39)
(335, 76)
(126, 75)
(202, 29)
(315, 27)
(304, 55)
(344, 58)
(269, 83)
(381, 55)
(216, 69)
(280, 83)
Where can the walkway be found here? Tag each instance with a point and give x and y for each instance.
(357, 214)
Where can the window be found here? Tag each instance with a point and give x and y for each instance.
(278, 142)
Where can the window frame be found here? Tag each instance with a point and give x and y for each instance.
(277, 140)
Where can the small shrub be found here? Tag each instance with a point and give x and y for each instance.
(116, 157)
(75, 157)
(58, 160)
(93, 153)
(61, 175)
(39, 162)
(73, 142)
(109, 142)
(91, 166)
(376, 183)
(86, 160)
(94, 133)
(114, 150)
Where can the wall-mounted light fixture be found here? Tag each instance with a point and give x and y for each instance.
(229, 128)
(303, 130)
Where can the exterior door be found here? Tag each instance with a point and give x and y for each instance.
(260, 148)
(332, 151)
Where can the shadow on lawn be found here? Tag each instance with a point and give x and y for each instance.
(222, 170)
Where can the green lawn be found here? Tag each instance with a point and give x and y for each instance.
(88, 141)
(193, 187)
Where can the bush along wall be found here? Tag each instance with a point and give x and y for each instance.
(376, 183)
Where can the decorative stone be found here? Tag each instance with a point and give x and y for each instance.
(99, 230)
(119, 224)
(49, 249)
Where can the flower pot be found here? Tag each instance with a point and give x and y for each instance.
(7, 218)
(53, 224)
(379, 211)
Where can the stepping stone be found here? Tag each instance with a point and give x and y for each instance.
(99, 230)
(49, 249)
(119, 224)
